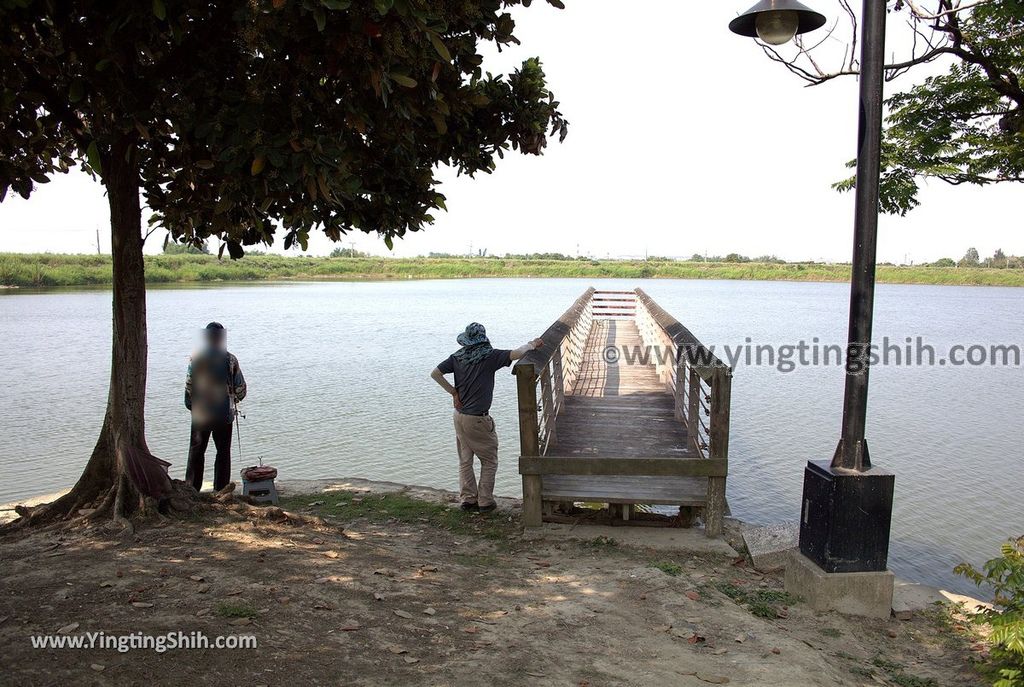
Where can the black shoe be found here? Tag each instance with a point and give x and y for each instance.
(488, 509)
(469, 507)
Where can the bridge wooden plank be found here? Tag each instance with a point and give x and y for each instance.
(622, 466)
(670, 491)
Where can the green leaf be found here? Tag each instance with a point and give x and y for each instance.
(440, 47)
(403, 80)
(77, 90)
(92, 154)
(384, 5)
(336, 4)
(320, 17)
(159, 9)
(389, 242)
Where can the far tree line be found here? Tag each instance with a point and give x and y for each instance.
(998, 260)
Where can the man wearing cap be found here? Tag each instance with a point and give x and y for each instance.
(474, 366)
(213, 387)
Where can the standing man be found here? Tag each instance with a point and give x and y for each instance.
(474, 366)
(213, 387)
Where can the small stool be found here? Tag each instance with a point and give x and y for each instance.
(263, 491)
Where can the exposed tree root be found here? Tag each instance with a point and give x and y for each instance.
(123, 509)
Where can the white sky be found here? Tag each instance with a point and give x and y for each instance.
(684, 139)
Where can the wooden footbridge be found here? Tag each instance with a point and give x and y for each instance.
(623, 405)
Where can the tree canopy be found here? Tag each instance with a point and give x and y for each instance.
(964, 125)
(249, 116)
(236, 119)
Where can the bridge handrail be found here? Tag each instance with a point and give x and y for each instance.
(552, 368)
(702, 356)
(700, 383)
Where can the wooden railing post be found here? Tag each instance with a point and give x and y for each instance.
(559, 374)
(721, 391)
(693, 409)
(679, 393)
(529, 442)
(548, 408)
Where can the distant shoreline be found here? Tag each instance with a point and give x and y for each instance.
(58, 270)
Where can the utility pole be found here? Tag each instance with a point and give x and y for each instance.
(98, 252)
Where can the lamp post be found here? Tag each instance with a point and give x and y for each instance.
(847, 503)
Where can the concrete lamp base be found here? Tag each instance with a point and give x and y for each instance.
(866, 594)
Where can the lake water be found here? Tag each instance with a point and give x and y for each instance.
(339, 386)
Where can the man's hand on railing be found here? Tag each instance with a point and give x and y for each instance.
(537, 343)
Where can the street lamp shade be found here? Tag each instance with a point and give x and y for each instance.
(776, 21)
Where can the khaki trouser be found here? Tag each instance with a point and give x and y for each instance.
(474, 434)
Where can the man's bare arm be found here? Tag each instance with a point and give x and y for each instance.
(438, 377)
(526, 348)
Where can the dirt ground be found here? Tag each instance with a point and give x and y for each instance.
(415, 593)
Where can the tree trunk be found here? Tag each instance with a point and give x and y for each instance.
(104, 486)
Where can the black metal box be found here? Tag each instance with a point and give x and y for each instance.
(845, 517)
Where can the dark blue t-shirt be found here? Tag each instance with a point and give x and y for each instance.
(475, 383)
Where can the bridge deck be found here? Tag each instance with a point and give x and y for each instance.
(620, 410)
(623, 428)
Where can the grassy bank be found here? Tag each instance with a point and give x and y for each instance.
(47, 270)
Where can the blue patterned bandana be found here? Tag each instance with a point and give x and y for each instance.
(475, 346)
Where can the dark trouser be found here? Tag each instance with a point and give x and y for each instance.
(197, 455)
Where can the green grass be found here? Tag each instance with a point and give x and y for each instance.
(58, 270)
(381, 509)
(764, 603)
(235, 609)
(668, 567)
(600, 543)
(898, 676)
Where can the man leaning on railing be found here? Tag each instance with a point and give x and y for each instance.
(474, 366)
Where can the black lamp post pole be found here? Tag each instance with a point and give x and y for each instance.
(852, 452)
(847, 505)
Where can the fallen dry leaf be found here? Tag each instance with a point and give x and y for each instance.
(241, 621)
(692, 596)
(142, 604)
(350, 626)
(429, 611)
(397, 649)
(404, 614)
(68, 629)
(98, 667)
(410, 660)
